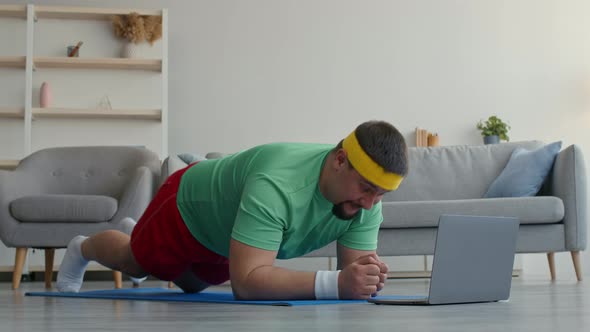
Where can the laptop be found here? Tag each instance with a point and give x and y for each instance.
(473, 261)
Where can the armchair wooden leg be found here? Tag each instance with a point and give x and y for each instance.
(577, 264)
(551, 260)
(118, 276)
(49, 255)
(19, 263)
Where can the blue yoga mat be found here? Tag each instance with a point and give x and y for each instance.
(175, 295)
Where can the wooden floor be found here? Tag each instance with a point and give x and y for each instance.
(535, 305)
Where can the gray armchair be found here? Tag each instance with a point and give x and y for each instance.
(57, 193)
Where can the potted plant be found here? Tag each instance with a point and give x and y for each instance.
(493, 130)
(136, 30)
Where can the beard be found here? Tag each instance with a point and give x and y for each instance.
(338, 211)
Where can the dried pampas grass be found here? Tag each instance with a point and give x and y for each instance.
(153, 28)
(137, 28)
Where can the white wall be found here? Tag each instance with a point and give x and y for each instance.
(248, 72)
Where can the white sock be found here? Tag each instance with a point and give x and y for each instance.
(137, 281)
(126, 225)
(73, 266)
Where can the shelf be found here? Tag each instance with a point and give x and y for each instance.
(12, 112)
(8, 164)
(19, 11)
(98, 63)
(71, 113)
(87, 13)
(12, 61)
(73, 13)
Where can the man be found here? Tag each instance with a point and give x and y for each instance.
(230, 218)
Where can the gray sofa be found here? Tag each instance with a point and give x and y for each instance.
(453, 180)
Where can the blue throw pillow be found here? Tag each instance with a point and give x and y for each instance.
(525, 172)
(189, 158)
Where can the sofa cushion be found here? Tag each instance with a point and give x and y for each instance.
(64, 208)
(529, 210)
(454, 172)
(525, 172)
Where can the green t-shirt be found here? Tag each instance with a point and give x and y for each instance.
(268, 197)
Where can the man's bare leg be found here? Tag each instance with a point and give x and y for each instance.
(113, 250)
(190, 283)
(109, 248)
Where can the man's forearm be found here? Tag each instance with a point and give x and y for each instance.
(275, 283)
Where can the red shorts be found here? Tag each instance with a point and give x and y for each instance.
(164, 247)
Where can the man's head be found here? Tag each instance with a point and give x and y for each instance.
(369, 162)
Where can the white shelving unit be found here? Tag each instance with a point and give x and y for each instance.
(11, 115)
(36, 64)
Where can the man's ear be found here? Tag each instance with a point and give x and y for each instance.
(341, 158)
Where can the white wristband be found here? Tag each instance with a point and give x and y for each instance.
(326, 285)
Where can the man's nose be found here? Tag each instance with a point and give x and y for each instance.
(368, 200)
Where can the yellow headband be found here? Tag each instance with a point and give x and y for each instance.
(367, 167)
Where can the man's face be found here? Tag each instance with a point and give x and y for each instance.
(358, 193)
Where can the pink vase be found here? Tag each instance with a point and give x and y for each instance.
(46, 97)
